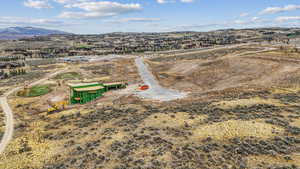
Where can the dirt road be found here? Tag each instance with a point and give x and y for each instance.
(156, 92)
(9, 120)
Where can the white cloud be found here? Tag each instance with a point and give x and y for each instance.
(70, 1)
(240, 22)
(21, 21)
(273, 10)
(287, 18)
(84, 15)
(125, 20)
(161, 1)
(244, 14)
(172, 1)
(193, 27)
(187, 1)
(62, 1)
(104, 6)
(253, 22)
(38, 4)
(255, 19)
(140, 19)
(99, 9)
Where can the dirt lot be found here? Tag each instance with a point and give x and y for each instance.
(119, 70)
(211, 54)
(232, 120)
(205, 75)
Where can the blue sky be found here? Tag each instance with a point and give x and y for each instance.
(101, 16)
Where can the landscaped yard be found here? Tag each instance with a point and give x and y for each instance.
(35, 91)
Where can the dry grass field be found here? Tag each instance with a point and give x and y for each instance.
(206, 74)
(2, 123)
(240, 113)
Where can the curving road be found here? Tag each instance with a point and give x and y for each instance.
(155, 92)
(9, 119)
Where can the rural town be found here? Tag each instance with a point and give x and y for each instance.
(225, 98)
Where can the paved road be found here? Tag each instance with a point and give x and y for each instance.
(155, 92)
(9, 119)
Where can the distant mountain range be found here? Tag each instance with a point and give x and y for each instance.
(12, 33)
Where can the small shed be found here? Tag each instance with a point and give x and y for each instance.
(114, 85)
(85, 92)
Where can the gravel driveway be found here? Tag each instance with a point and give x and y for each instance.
(155, 92)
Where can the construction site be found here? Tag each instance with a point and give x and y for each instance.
(228, 107)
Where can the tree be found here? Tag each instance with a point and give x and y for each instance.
(5, 75)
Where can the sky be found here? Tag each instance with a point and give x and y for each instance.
(103, 16)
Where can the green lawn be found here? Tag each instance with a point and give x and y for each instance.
(37, 90)
(68, 75)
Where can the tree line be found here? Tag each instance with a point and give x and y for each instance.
(11, 58)
(11, 73)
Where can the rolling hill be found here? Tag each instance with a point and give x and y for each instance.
(24, 32)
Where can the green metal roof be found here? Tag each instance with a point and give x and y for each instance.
(84, 85)
(93, 88)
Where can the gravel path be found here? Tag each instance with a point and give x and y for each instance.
(9, 119)
(155, 92)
